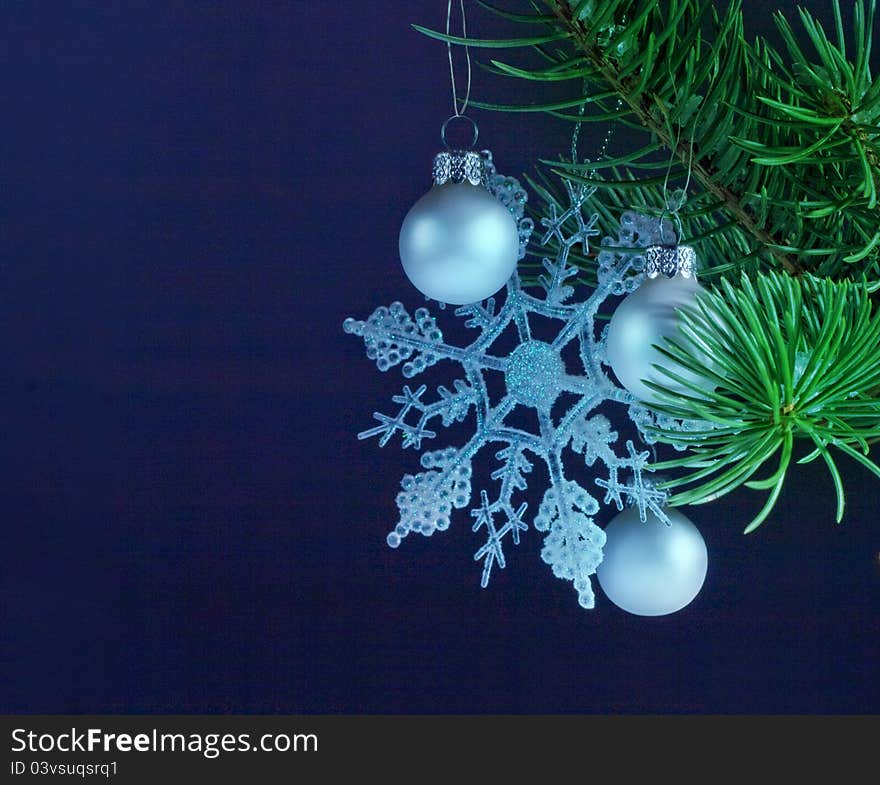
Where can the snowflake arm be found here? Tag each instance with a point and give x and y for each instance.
(412, 434)
(452, 407)
(648, 422)
(558, 272)
(492, 552)
(511, 473)
(573, 546)
(593, 437)
(639, 491)
(427, 499)
(391, 336)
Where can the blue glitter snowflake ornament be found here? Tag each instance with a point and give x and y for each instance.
(535, 376)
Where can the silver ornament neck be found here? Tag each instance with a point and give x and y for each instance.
(459, 166)
(670, 260)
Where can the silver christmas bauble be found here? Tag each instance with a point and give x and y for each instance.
(459, 244)
(650, 568)
(643, 319)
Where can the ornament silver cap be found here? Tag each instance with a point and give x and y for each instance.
(459, 166)
(670, 260)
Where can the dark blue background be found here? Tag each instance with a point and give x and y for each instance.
(194, 197)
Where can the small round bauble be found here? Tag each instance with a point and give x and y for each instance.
(459, 244)
(644, 319)
(650, 568)
(648, 316)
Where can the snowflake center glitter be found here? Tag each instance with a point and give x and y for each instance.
(534, 374)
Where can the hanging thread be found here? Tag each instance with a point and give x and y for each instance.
(670, 206)
(575, 134)
(467, 54)
(673, 208)
(609, 133)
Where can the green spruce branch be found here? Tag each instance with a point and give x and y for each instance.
(773, 363)
(631, 90)
(783, 147)
(781, 150)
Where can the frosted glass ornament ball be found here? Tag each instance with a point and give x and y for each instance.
(459, 244)
(643, 318)
(649, 568)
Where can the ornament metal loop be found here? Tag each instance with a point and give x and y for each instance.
(670, 260)
(476, 130)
